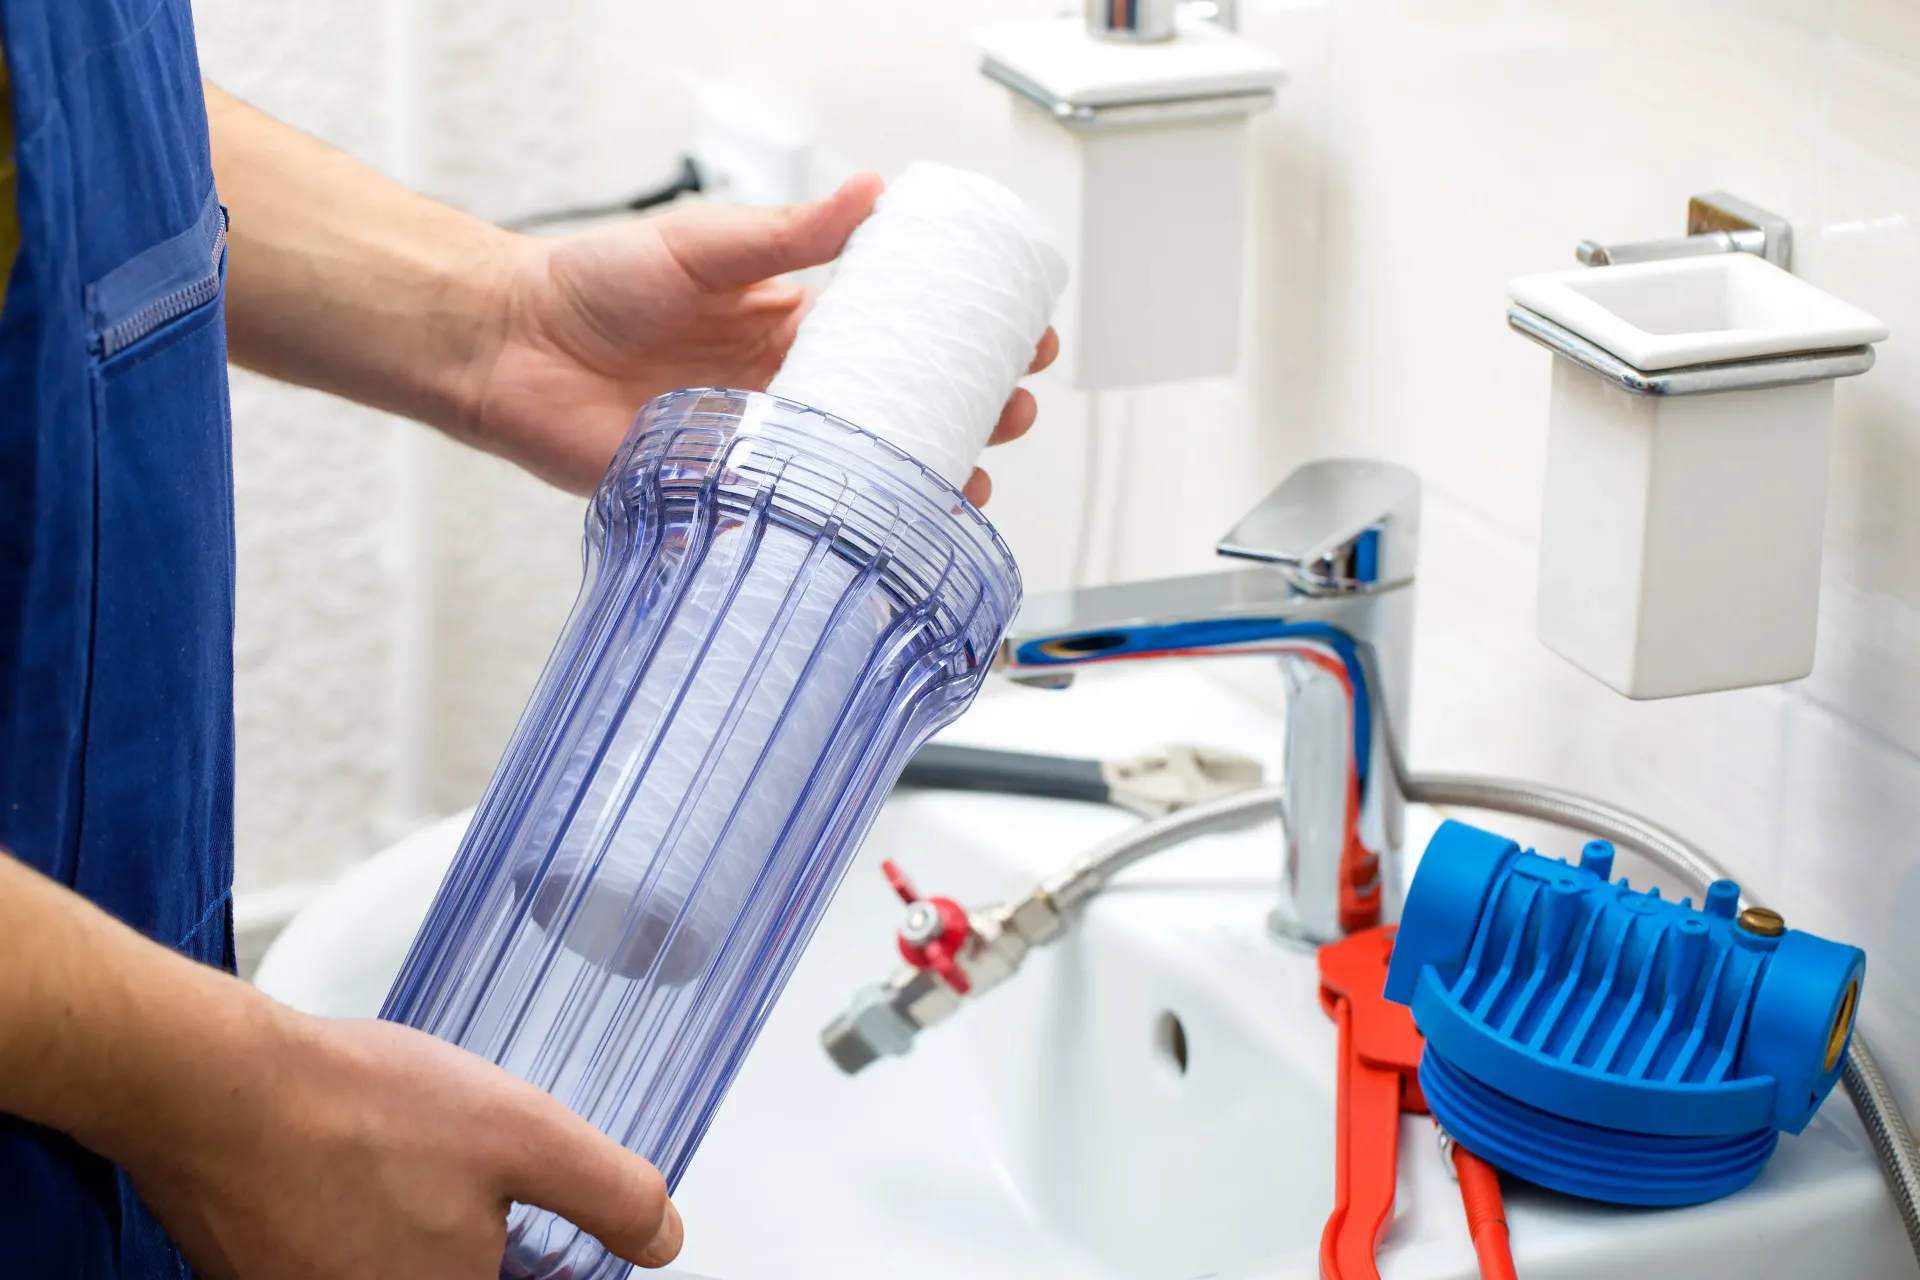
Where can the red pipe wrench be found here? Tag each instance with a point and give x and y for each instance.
(1379, 1078)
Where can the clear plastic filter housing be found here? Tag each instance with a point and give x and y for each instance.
(779, 608)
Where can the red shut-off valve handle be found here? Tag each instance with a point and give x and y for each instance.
(938, 948)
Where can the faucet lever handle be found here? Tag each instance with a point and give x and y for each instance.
(1335, 526)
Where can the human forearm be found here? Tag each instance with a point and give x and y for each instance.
(107, 1036)
(341, 279)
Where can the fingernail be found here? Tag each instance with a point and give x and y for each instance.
(666, 1241)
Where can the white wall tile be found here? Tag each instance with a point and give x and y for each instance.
(1888, 25)
(1850, 868)
(1867, 249)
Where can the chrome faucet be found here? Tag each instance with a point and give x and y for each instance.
(1332, 596)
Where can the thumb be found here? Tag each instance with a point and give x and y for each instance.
(728, 248)
(568, 1167)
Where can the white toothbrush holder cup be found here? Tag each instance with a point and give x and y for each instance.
(1687, 455)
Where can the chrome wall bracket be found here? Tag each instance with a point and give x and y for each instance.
(1092, 117)
(1716, 223)
(1690, 380)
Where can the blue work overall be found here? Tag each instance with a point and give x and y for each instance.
(116, 544)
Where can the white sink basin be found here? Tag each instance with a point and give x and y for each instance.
(1062, 1127)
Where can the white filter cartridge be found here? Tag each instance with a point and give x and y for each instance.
(931, 317)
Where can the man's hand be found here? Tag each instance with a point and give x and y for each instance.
(540, 350)
(600, 323)
(271, 1144)
(376, 1150)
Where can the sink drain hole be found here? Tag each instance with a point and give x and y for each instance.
(1170, 1038)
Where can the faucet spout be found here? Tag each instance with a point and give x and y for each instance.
(1338, 543)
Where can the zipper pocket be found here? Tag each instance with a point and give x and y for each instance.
(158, 286)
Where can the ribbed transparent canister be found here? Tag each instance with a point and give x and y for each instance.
(779, 608)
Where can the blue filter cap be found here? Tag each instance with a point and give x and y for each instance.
(1603, 1041)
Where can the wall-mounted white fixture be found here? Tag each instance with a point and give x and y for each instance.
(1687, 447)
(1130, 136)
(754, 148)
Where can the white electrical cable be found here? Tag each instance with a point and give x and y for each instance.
(931, 317)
